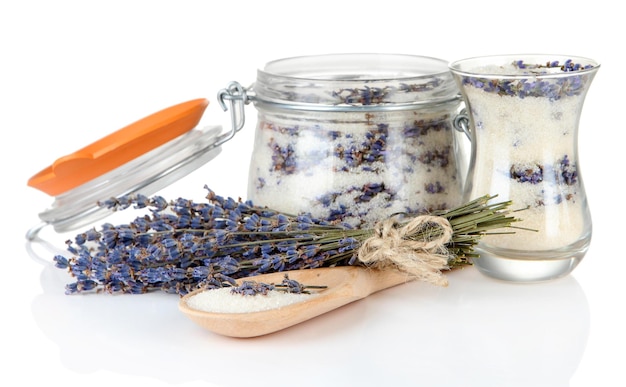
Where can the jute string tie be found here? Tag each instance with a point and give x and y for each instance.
(424, 258)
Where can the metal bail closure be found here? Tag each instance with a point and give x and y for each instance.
(237, 96)
(462, 124)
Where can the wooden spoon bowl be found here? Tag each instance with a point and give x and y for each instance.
(344, 285)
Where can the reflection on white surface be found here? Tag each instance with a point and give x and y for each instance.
(475, 332)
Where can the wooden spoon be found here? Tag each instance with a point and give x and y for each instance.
(344, 284)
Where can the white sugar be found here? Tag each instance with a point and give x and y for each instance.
(527, 133)
(222, 300)
(513, 70)
(497, 69)
(324, 181)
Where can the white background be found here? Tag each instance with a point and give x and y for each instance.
(73, 71)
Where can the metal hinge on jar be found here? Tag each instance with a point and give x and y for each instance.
(237, 97)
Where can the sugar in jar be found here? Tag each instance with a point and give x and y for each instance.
(355, 138)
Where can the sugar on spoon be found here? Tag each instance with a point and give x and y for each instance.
(343, 285)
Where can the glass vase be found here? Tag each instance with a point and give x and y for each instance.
(524, 113)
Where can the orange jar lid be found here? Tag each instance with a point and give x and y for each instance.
(118, 148)
(141, 158)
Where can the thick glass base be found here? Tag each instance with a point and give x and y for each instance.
(528, 266)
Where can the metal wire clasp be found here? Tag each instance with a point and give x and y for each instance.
(462, 124)
(236, 95)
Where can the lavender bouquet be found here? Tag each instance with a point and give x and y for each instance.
(183, 245)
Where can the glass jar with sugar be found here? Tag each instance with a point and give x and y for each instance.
(355, 138)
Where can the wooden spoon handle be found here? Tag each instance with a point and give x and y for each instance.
(374, 280)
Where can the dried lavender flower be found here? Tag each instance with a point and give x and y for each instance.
(536, 85)
(183, 245)
(253, 288)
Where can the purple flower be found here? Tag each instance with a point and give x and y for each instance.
(534, 86)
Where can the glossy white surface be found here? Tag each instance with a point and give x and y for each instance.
(73, 72)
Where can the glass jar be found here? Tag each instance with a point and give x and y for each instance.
(355, 138)
(524, 113)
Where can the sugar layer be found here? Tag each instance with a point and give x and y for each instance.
(222, 300)
(319, 172)
(529, 132)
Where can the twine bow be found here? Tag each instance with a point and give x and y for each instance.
(423, 258)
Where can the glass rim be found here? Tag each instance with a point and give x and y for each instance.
(356, 67)
(468, 66)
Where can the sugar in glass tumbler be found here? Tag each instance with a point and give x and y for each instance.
(523, 114)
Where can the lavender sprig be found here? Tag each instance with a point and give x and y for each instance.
(253, 288)
(183, 245)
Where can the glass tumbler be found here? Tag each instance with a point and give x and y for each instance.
(524, 113)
